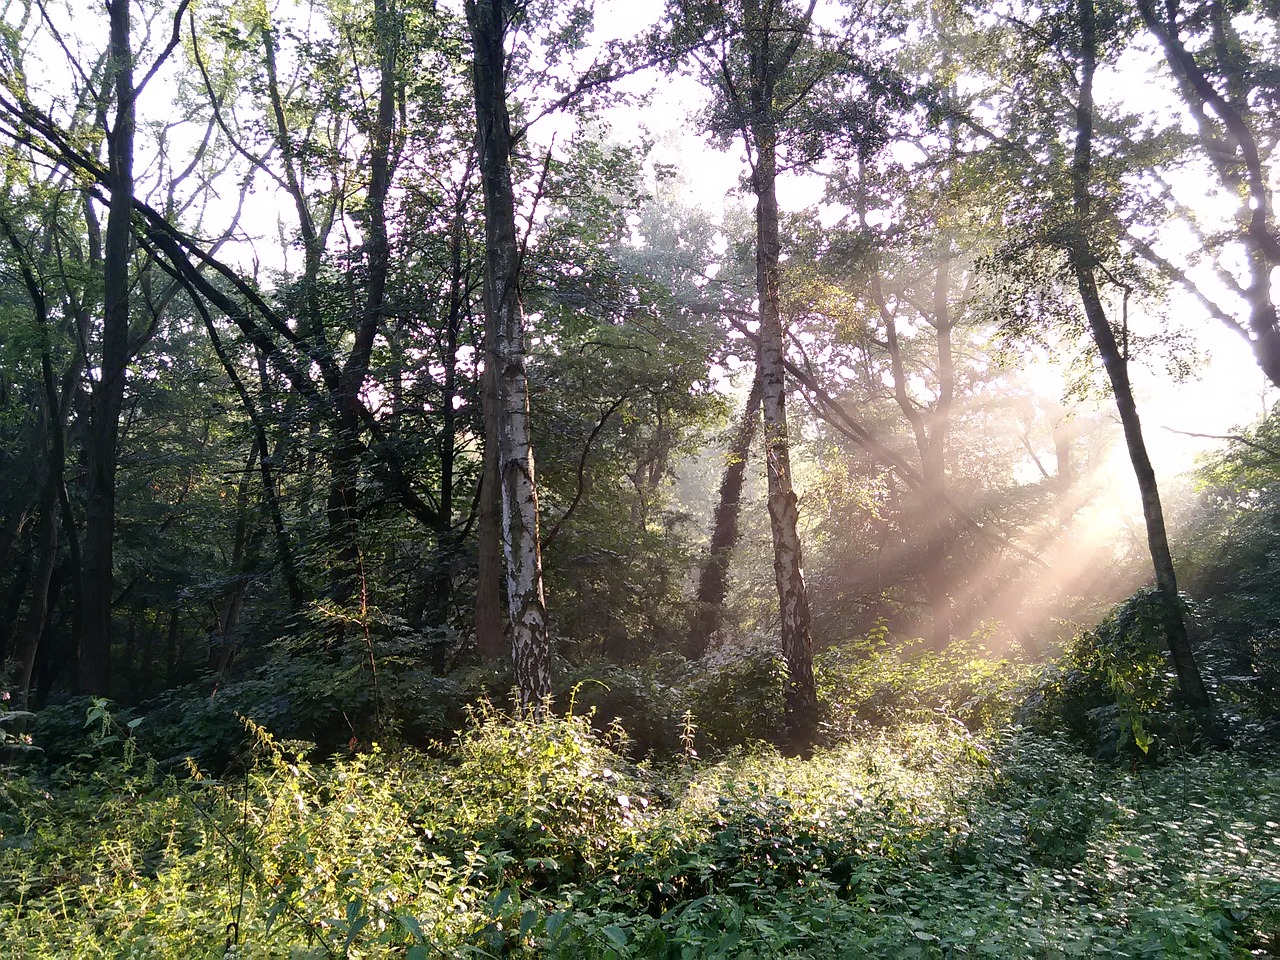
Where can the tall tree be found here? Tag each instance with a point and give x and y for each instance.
(491, 22)
(1082, 253)
(929, 291)
(94, 647)
(1063, 207)
(763, 70)
(54, 409)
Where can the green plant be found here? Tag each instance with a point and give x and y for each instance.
(878, 683)
(15, 741)
(919, 839)
(1113, 688)
(737, 697)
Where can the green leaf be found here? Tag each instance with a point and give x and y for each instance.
(528, 921)
(359, 924)
(555, 922)
(411, 925)
(276, 909)
(617, 936)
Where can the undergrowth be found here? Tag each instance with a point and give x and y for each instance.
(524, 839)
(928, 825)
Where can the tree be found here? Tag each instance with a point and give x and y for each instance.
(1217, 54)
(1081, 252)
(94, 649)
(759, 82)
(54, 409)
(490, 22)
(1067, 194)
(115, 341)
(620, 375)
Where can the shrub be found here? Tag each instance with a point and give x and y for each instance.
(873, 682)
(923, 841)
(737, 696)
(1113, 690)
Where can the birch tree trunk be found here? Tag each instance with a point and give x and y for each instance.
(490, 634)
(504, 335)
(784, 511)
(770, 50)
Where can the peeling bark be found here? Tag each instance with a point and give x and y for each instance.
(490, 634)
(766, 63)
(504, 335)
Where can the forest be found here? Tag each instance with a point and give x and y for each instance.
(760, 478)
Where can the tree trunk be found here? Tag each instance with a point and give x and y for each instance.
(937, 584)
(930, 429)
(171, 650)
(94, 653)
(440, 577)
(490, 635)
(713, 581)
(769, 51)
(11, 606)
(784, 513)
(38, 606)
(934, 466)
(504, 323)
(1190, 682)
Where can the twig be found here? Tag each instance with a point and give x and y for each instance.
(582, 466)
(1269, 451)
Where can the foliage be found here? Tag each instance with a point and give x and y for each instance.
(736, 696)
(1114, 688)
(638, 706)
(538, 839)
(14, 740)
(1228, 546)
(873, 682)
(305, 760)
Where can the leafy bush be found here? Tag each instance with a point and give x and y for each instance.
(875, 683)
(737, 696)
(645, 699)
(15, 742)
(1227, 551)
(525, 839)
(1114, 688)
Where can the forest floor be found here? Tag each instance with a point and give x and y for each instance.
(923, 840)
